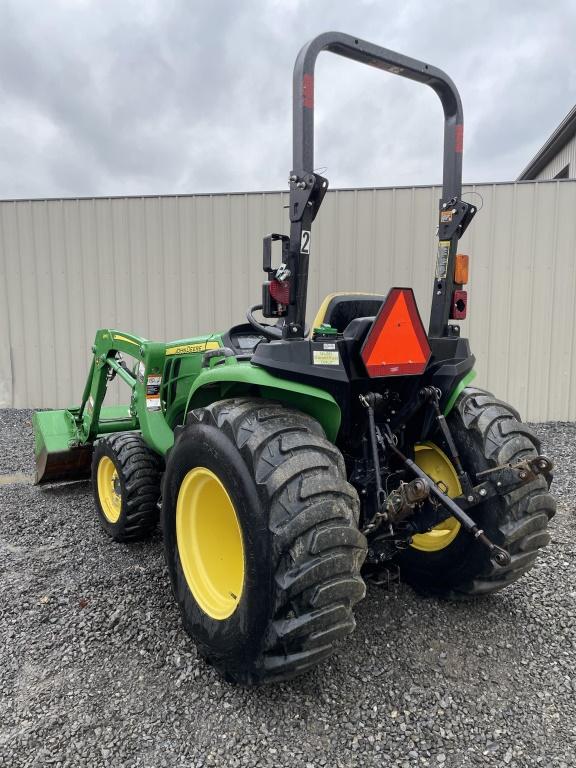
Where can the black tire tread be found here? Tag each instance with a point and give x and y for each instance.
(140, 469)
(497, 428)
(313, 524)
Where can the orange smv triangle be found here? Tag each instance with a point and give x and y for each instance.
(396, 344)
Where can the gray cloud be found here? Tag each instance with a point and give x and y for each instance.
(151, 97)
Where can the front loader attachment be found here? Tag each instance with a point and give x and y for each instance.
(62, 451)
(64, 438)
(59, 456)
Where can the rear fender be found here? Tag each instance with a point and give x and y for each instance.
(237, 379)
(457, 391)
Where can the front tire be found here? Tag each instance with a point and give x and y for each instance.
(273, 474)
(487, 433)
(126, 485)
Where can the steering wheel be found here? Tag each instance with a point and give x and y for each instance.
(270, 331)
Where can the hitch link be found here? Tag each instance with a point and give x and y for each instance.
(368, 401)
(432, 395)
(500, 556)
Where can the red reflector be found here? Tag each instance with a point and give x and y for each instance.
(396, 344)
(308, 91)
(458, 138)
(280, 291)
(459, 305)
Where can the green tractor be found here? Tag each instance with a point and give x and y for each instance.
(289, 465)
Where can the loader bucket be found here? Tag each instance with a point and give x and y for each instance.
(58, 458)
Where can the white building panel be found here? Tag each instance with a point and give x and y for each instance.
(172, 267)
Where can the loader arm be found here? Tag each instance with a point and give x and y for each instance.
(64, 438)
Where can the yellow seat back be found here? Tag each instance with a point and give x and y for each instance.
(339, 308)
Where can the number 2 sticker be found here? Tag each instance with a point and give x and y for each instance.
(305, 242)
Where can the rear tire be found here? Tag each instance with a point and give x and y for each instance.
(487, 433)
(126, 485)
(302, 550)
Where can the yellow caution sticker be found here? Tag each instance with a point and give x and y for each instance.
(325, 357)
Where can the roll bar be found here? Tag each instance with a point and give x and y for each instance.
(389, 61)
(307, 189)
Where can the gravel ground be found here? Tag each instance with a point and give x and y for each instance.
(96, 670)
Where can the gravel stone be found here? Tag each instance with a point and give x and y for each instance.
(97, 671)
(15, 455)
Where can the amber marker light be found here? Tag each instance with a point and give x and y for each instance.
(461, 269)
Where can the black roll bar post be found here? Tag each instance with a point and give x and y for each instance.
(307, 189)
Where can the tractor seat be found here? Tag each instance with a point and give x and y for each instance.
(339, 309)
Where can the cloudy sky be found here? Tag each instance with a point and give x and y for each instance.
(114, 97)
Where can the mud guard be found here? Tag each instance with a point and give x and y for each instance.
(232, 379)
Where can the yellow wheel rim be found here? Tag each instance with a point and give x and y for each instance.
(439, 467)
(210, 546)
(109, 489)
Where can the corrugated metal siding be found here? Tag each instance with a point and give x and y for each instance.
(566, 156)
(171, 267)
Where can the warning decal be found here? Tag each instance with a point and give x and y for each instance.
(442, 259)
(326, 357)
(153, 392)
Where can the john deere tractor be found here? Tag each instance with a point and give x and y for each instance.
(287, 464)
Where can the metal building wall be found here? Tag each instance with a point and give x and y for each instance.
(566, 156)
(171, 267)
